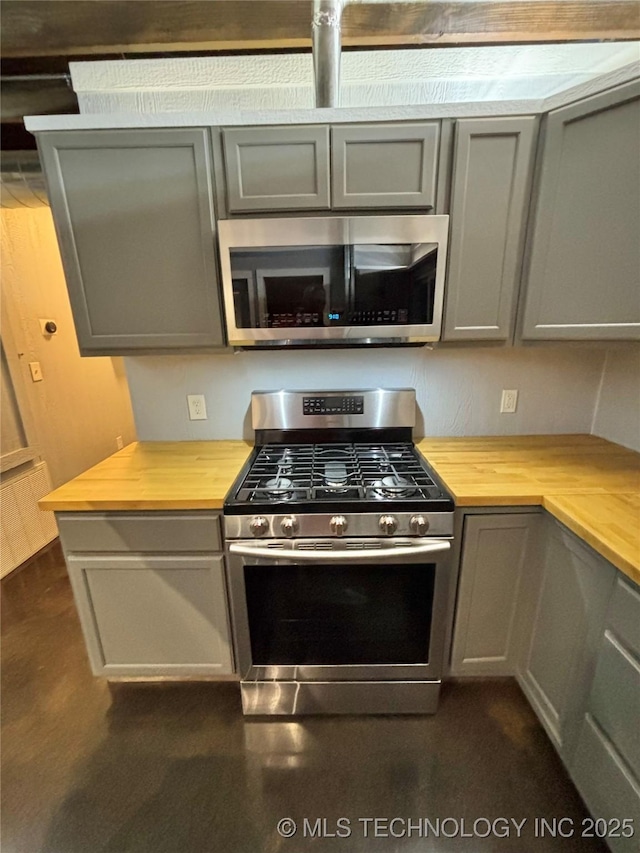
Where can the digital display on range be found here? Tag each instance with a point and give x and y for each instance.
(333, 405)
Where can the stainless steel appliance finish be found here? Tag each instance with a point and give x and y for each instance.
(282, 285)
(338, 558)
(381, 407)
(358, 524)
(343, 687)
(339, 697)
(349, 551)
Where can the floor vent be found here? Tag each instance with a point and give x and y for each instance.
(24, 528)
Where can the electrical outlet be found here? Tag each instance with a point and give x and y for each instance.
(197, 407)
(119, 442)
(509, 402)
(36, 371)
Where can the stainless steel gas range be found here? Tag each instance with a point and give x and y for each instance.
(339, 538)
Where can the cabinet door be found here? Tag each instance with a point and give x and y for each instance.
(489, 207)
(606, 765)
(496, 549)
(570, 589)
(582, 281)
(386, 165)
(153, 615)
(277, 168)
(134, 216)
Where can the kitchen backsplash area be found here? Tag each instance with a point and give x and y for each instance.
(617, 412)
(458, 390)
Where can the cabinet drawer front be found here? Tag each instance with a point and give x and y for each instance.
(623, 617)
(155, 532)
(605, 783)
(277, 168)
(385, 165)
(615, 700)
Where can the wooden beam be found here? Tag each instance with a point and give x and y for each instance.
(72, 27)
(492, 22)
(38, 96)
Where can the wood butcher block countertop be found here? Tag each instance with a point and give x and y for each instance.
(591, 485)
(155, 475)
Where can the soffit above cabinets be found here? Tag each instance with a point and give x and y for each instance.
(388, 85)
(369, 78)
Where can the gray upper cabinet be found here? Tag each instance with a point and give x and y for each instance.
(492, 169)
(390, 165)
(276, 168)
(584, 267)
(134, 216)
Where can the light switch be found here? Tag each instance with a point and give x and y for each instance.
(36, 371)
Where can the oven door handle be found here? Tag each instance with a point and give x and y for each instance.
(371, 555)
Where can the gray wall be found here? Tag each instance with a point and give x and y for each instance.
(617, 413)
(458, 390)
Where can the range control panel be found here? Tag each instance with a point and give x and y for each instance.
(333, 405)
(333, 408)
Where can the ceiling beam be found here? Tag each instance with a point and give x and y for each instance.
(72, 27)
(38, 95)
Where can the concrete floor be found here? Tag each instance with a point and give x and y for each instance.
(177, 769)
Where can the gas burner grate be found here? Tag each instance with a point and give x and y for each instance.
(330, 472)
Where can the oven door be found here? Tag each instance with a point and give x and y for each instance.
(333, 279)
(339, 610)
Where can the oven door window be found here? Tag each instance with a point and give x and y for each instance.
(339, 614)
(334, 286)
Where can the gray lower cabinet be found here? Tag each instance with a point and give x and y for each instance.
(135, 221)
(276, 168)
(582, 280)
(497, 549)
(385, 165)
(492, 168)
(606, 764)
(566, 597)
(146, 608)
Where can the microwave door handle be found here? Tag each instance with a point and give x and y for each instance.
(340, 555)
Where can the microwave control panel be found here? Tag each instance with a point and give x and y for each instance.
(333, 405)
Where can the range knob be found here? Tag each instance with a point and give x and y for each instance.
(258, 525)
(289, 525)
(419, 525)
(388, 524)
(338, 524)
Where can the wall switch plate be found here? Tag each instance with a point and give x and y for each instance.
(197, 407)
(509, 402)
(36, 371)
(119, 442)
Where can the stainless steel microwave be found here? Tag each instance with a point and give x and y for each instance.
(333, 280)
